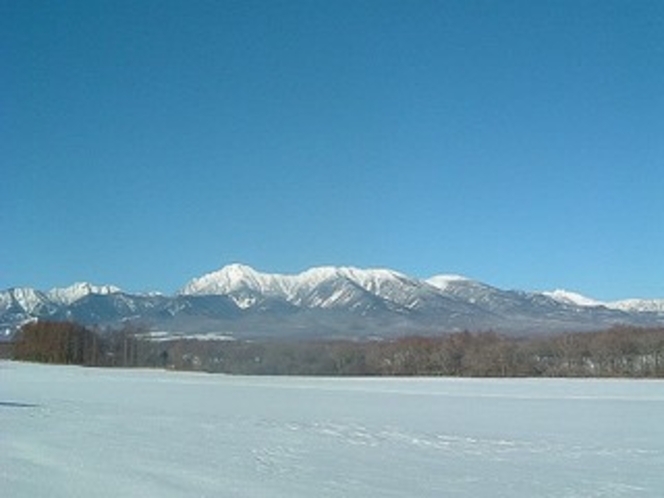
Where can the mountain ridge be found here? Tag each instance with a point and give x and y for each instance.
(325, 301)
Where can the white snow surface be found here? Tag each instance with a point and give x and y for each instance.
(77, 432)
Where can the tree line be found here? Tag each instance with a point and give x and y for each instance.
(70, 343)
(618, 352)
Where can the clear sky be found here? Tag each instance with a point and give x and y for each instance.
(144, 143)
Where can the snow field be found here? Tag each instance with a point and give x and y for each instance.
(78, 432)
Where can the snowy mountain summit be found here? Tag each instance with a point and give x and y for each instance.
(238, 276)
(320, 287)
(442, 282)
(627, 305)
(573, 298)
(79, 290)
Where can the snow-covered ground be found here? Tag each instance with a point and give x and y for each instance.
(79, 432)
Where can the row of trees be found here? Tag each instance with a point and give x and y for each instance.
(619, 352)
(71, 343)
(57, 343)
(623, 351)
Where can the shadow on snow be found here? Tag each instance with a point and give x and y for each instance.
(12, 404)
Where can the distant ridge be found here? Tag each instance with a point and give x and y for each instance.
(328, 301)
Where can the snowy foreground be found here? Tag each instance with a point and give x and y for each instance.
(77, 432)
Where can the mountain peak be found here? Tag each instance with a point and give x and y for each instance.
(237, 276)
(574, 298)
(237, 269)
(73, 293)
(442, 282)
(230, 278)
(233, 273)
(361, 276)
(638, 305)
(27, 298)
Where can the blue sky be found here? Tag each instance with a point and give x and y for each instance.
(517, 142)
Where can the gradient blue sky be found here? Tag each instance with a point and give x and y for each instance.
(517, 142)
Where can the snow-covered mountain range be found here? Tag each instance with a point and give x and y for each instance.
(325, 302)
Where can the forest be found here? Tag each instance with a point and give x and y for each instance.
(617, 352)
